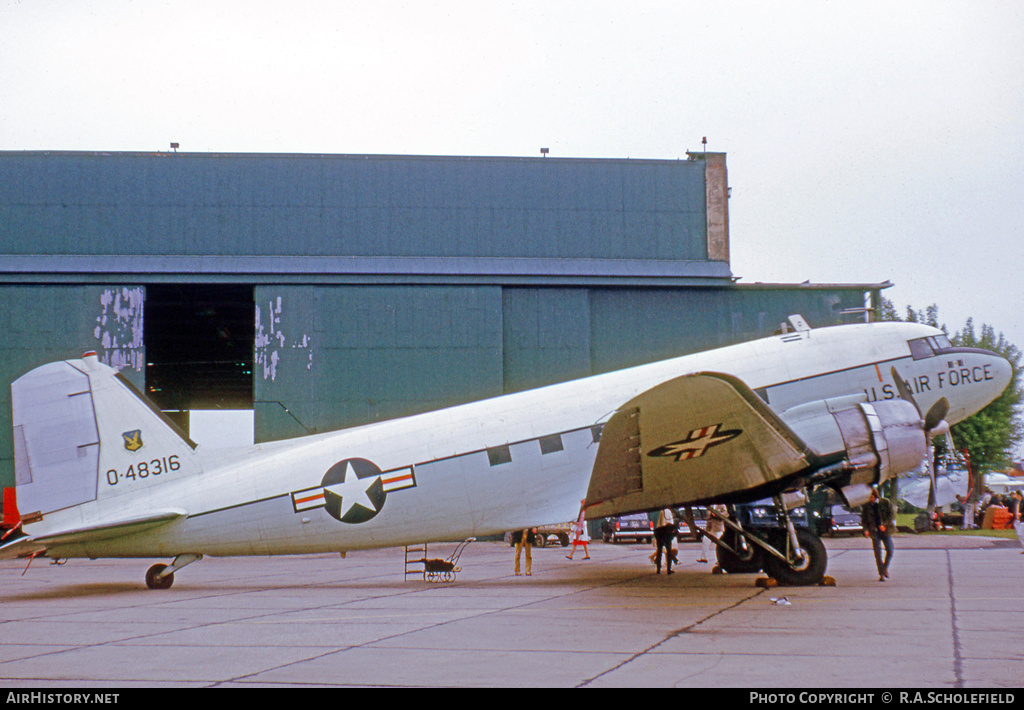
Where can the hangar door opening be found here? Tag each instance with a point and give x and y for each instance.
(199, 357)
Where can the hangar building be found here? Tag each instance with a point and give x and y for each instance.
(325, 291)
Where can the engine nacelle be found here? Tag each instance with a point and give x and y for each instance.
(877, 440)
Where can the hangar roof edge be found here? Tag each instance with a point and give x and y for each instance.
(337, 156)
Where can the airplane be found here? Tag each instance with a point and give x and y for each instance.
(101, 472)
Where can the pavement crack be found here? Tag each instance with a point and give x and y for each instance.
(958, 659)
(671, 635)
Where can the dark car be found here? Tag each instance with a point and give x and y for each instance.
(628, 528)
(842, 521)
(761, 514)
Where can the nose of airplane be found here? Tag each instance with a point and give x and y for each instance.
(975, 378)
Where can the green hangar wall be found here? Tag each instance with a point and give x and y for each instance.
(325, 291)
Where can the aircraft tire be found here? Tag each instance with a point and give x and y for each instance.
(734, 564)
(811, 571)
(151, 578)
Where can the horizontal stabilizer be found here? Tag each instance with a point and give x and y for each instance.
(696, 438)
(35, 544)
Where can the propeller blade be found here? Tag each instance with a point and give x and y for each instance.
(934, 419)
(936, 415)
(903, 389)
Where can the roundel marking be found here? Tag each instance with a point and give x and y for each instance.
(353, 491)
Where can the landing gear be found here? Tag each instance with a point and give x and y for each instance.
(155, 581)
(739, 557)
(804, 565)
(162, 577)
(792, 556)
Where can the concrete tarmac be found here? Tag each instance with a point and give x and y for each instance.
(949, 617)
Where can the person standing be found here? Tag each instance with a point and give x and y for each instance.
(580, 536)
(715, 526)
(664, 533)
(524, 541)
(877, 520)
(1017, 515)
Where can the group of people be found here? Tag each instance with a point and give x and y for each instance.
(1015, 507)
(665, 531)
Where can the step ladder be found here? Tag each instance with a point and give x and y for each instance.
(416, 555)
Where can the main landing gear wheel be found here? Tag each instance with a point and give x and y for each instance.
(746, 563)
(154, 582)
(810, 569)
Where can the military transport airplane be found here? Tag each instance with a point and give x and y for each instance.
(100, 472)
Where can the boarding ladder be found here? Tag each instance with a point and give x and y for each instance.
(415, 555)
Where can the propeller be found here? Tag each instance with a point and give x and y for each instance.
(935, 424)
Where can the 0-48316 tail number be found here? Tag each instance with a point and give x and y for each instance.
(144, 469)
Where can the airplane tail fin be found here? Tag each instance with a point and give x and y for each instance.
(82, 432)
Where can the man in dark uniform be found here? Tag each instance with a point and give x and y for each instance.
(877, 519)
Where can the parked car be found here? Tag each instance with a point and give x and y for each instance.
(761, 514)
(628, 528)
(700, 519)
(843, 521)
(557, 534)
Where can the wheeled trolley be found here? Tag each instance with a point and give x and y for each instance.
(438, 570)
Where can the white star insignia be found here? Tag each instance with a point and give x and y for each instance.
(352, 491)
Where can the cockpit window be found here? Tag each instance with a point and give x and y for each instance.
(922, 348)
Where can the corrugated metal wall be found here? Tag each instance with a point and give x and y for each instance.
(328, 357)
(338, 205)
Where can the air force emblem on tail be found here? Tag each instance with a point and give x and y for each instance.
(132, 439)
(696, 443)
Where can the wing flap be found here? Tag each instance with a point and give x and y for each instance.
(695, 438)
(35, 544)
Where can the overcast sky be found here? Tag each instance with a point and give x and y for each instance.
(866, 140)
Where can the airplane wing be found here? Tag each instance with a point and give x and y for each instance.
(695, 438)
(35, 544)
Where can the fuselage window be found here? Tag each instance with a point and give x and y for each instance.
(921, 348)
(499, 455)
(550, 444)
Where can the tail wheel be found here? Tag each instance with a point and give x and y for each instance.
(810, 569)
(154, 582)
